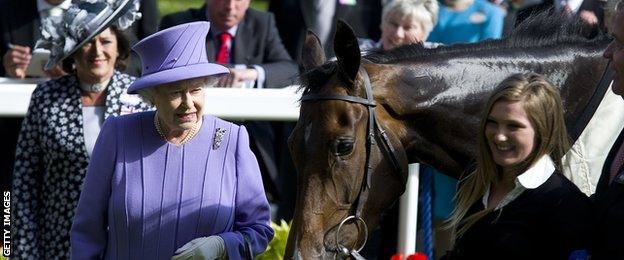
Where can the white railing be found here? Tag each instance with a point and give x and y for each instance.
(238, 104)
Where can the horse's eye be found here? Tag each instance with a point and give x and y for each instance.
(343, 146)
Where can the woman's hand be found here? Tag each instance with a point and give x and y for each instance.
(212, 247)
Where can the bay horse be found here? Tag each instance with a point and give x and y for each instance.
(363, 119)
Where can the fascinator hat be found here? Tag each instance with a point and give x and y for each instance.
(174, 54)
(81, 22)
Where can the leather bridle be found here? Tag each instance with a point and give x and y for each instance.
(374, 129)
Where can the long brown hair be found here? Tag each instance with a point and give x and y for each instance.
(543, 106)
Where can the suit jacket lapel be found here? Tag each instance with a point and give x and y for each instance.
(211, 52)
(241, 42)
(605, 193)
(112, 96)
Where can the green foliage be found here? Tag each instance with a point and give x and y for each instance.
(171, 6)
(277, 246)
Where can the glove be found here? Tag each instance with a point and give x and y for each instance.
(212, 247)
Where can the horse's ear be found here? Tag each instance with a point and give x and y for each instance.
(313, 54)
(347, 50)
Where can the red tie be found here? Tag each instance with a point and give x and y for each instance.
(223, 56)
(616, 164)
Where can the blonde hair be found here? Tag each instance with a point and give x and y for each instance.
(425, 11)
(543, 106)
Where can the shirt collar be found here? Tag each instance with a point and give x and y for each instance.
(42, 5)
(532, 178)
(537, 174)
(232, 31)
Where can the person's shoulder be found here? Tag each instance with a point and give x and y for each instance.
(257, 17)
(60, 85)
(122, 80)
(558, 187)
(257, 13)
(220, 123)
(133, 117)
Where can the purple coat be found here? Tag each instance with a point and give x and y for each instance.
(143, 198)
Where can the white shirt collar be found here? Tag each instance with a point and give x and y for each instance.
(42, 5)
(537, 174)
(532, 178)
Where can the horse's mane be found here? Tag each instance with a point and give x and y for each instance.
(539, 30)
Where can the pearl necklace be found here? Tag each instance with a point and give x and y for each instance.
(187, 138)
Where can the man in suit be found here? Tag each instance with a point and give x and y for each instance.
(609, 196)
(256, 57)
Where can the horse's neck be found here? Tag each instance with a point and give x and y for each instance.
(436, 111)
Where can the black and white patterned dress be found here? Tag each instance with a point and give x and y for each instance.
(51, 161)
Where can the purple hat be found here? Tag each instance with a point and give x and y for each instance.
(174, 54)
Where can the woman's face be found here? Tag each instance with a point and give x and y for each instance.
(509, 133)
(95, 61)
(179, 104)
(400, 30)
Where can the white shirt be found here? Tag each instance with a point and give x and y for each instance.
(530, 179)
(92, 120)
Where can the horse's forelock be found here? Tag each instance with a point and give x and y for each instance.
(313, 80)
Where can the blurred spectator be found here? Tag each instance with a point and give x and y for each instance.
(247, 42)
(590, 11)
(464, 21)
(63, 121)
(404, 22)
(295, 17)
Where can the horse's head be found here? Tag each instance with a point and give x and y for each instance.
(350, 168)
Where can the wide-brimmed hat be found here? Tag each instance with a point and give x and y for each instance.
(81, 22)
(174, 54)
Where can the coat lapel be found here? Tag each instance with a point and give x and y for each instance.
(241, 42)
(605, 193)
(112, 96)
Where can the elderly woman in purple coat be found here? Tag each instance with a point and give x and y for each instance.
(174, 182)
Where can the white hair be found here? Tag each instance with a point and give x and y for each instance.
(424, 11)
(147, 94)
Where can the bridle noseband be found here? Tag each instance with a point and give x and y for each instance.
(373, 130)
